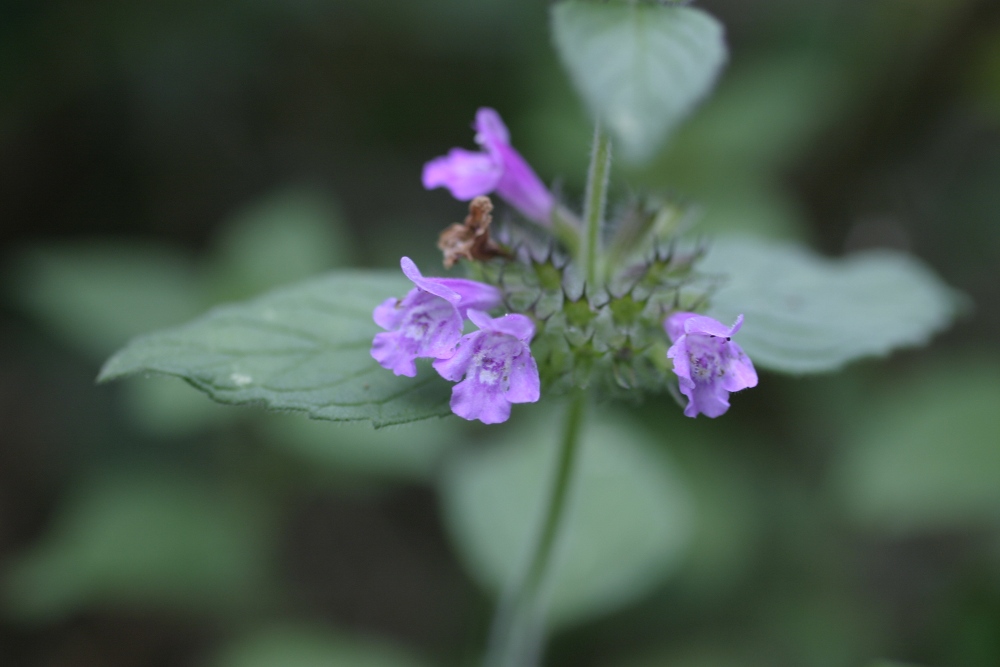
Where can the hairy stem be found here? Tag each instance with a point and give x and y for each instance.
(594, 202)
(519, 628)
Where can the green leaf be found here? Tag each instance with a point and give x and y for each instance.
(630, 523)
(305, 347)
(640, 68)
(927, 456)
(308, 647)
(136, 537)
(808, 314)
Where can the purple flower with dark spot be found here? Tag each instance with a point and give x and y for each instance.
(707, 362)
(498, 168)
(497, 365)
(428, 321)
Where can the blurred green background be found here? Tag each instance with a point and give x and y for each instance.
(160, 157)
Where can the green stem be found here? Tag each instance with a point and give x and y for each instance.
(519, 627)
(594, 202)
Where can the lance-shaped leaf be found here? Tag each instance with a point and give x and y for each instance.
(304, 347)
(640, 68)
(808, 314)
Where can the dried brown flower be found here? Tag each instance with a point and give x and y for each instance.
(471, 238)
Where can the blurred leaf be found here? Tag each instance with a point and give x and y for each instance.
(927, 455)
(732, 156)
(748, 206)
(698, 655)
(729, 526)
(143, 538)
(170, 408)
(288, 236)
(307, 647)
(808, 314)
(412, 451)
(763, 115)
(640, 68)
(97, 296)
(305, 347)
(630, 521)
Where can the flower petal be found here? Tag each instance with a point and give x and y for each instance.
(740, 373)
(432, 285)
(707, 398)
(518, 326)
(521, 187)
(479, 296)
(466, 174)
(455, 367)
(387, 314)
(524, 384)
(490, 128)
(674, 324)
(701, 324)
(469, 400)
(682, 363)
(480, 319)
(389, 354)
(512, 324)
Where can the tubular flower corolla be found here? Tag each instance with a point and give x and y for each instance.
(497, 368)
(708, 364)
(427, 322)
(497, 168)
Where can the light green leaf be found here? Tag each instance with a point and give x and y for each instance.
(305, 347)
(97, 296)
(808, 314)
(630, 520)
(288, 236)
(410, 452)
(640, 68)
(927, 455)
(169, 408)
(309, 647)
(134, 537)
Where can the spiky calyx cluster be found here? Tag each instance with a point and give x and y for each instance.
(608, 336)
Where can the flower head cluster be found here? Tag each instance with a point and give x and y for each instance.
(584, 314)
(707, 362)
(497, 168)
(495, 361)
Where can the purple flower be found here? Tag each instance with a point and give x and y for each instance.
(500, 168)
(497, 365)
(708, 363)
(428, 321)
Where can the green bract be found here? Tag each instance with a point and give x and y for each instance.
(640, 68)
(608, 335)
